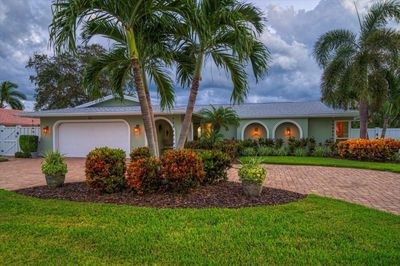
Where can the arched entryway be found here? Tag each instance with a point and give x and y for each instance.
(255, 130)
(165, 133)
(288, 129)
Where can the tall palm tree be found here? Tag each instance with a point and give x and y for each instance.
(353, 64)
(224, 31)
(124, 23)
(220, 117)
(9, 95)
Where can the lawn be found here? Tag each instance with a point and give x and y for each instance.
(314, 230)
(2, 159)
(392, 167)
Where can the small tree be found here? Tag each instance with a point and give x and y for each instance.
(220, 117)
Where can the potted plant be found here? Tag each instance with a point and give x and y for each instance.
(253, 177)
(54, 168)
(29, 145)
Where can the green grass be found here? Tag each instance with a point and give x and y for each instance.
(314, 230)
(2, 159)
(392, 167)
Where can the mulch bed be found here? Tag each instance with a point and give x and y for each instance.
(222, 195)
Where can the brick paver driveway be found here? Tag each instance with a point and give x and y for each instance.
(380, 190)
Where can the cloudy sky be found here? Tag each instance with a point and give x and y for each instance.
(292, 29)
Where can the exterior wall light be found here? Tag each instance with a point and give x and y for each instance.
(45, 130)
(288, 132)
(137, 129)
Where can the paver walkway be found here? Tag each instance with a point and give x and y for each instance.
(376, 189)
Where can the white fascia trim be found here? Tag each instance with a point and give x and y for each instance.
(104, 99)
(97, 114)
(300, 116)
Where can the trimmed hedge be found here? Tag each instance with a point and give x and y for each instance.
(28, 143)
(215, 165)
(143, 175)
(369, 150)
(105, 170)
(181, 170)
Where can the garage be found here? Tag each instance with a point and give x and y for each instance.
(77, 139)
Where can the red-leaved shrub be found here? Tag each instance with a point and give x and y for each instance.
(181, 170)
(369, 150)
(143, 175)
(140, 153)
(105, 170)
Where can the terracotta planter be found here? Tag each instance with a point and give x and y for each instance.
(55, 181)
(251, 188)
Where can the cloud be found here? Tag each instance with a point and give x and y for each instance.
(293, 27)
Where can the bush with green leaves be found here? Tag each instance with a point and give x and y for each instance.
(54, 164)
(266, 151)
(139, 153)
(215, 165)
(322, 151)
(279, 143)
(105, 170)
(252, 171)
(28, 143)
(21, 154)
(282, 152)
(300, 152)
(249, 151)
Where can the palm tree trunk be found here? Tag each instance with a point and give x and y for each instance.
(384, 127)
(153, 122)
(191, 102)
(363, 119)
(144, 107)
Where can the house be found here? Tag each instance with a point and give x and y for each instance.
(118, 123)
(11, 118)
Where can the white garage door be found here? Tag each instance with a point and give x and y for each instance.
(78, 139)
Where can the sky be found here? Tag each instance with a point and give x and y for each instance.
(292, 28)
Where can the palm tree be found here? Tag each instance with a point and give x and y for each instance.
(353, 64)
(224, 31)
(220, 117)
(9, 95)
(126, 24)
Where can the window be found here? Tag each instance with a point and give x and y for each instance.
(342, 129)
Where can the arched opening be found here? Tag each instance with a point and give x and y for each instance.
(255, 131)
(165, 134)
(287, 129)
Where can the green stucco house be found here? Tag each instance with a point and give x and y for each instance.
(118, 123)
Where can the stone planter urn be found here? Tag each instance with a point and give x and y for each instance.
(54, 181)
(251, 188)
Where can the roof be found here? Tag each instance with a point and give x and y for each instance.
(106, 98)
(244, 111)
(10, 117)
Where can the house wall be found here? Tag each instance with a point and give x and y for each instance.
(46, 140)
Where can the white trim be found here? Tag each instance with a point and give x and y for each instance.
(348, 130)
(171, 124)
(59, 122)
(106, 98)
(287, 121)
(90, 114)
(254, 122)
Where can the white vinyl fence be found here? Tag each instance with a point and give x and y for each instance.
(373, 133)
(9, 136)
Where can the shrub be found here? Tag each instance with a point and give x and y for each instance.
(266, 151)
(140, 153)
(332, 146)
(300, 152)
(322, 151)
(278, 143)
(28, 143)
(396, 157)
(215, 165)
(21, 154)
(54, 164)
(181, 170)
(372, 150)
(266, 142)
(282, 152)
(143, 176)
(249, 151)
(230, 147)
(105, 169)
